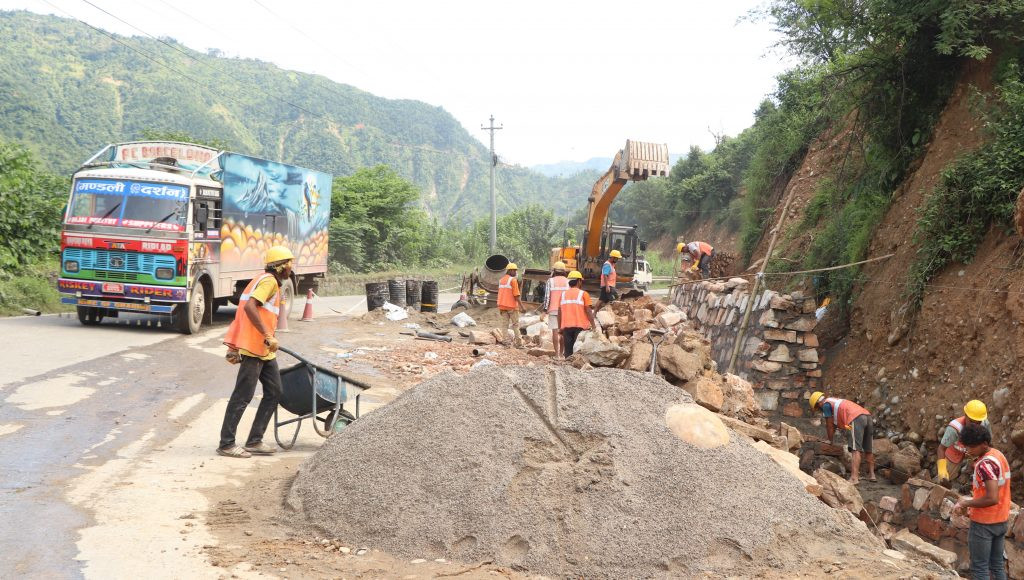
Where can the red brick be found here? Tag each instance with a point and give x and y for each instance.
(793, 409)
(930, 528)
(829, 449)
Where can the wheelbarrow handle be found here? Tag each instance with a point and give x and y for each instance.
(294, 354)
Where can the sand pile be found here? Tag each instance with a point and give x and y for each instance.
(560, 472)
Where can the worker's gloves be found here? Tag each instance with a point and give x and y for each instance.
(233, 357)
(271, 343)
(943, 466)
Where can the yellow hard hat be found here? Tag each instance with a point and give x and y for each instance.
(278, 254)
(575, 275)
(815, 397)
(976, 410)
(615, 254)
(559, 265)
(511, 266)
(680, 247)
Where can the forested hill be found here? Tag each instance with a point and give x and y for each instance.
(66, 90)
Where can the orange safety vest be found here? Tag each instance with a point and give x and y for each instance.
(573, 309)
(508, 289)
(698, 249)
(610, 279)
(1000, 512)
(559, 284)
(844, 411)
(242, 333)
(956, 452)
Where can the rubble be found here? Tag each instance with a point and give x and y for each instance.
(908, 542)
(837, 492)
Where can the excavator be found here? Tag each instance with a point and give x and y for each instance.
(637, 161)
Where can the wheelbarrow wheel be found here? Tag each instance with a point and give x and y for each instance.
(343, 416)
(277, 436)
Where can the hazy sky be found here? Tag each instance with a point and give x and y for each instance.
(569, 80)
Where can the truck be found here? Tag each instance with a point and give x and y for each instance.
(180, 229)
(637, 161)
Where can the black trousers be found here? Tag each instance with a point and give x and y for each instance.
(251, 370)
(705, 264)
(569, 340)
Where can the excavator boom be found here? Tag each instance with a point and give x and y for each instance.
(635, 162)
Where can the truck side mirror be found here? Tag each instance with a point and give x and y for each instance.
(643, 246)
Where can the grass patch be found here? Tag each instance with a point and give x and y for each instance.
(33, 287)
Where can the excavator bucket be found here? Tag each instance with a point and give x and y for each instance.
(642, 160)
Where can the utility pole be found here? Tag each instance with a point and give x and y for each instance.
(494, 202)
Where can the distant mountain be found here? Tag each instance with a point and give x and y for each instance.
(570, 168)
(68, 90)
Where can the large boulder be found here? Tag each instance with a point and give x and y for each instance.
(600, 353)
(739, 397)
(696, 426)
(706, 392)
(639, 356)
(837, 492)
(907, 460)
(677, 362)
(480, 337)
(906, 541)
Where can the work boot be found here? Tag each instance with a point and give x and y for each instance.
(234, 451)
(260, 448)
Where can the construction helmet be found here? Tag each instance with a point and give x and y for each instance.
(615, 254)
(680, 247)
(559, 265)
(511, 266)
(815, 397)
(278, 254)
(575, 275)
(976, 410)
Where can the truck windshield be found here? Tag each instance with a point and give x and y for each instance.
(131, 204)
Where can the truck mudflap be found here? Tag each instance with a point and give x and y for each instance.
(117, 305)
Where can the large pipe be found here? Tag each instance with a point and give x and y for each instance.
(491, 273)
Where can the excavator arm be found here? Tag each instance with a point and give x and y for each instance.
(635, 162)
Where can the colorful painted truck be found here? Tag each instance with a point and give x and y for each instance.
(180, 229)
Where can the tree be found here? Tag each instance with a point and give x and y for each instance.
(30, 208)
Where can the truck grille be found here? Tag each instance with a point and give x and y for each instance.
(120, 266)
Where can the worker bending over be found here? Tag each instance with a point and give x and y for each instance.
(252, 346)
(951, 450)
(858, 421)
(553, 289)
(608, 280)
(700, 254)
(510, 303)
(575, 314)
(989, 504)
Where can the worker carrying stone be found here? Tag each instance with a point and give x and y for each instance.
(252, 345)
(951, 451)
(699, 254)
(608, 280)
(574, 314)
(989, 504)
(510, 304)
(857, 421)
(556, 285)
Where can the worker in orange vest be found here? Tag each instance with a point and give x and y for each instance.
(575, 314)
(857, 421)
(553, 289)
(510, 304)
(951, 450)
(608, 280)
(989, 504)
(700, 254)
(252, 345)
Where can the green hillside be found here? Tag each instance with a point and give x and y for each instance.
(66, 90)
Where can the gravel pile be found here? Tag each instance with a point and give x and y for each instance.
(559, 472)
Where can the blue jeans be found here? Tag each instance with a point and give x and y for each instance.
(985, 542)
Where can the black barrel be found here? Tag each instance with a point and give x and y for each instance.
(428, 301)
(412, 293)
(376, 295)
(396, 292)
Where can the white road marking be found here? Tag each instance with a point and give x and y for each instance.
(185, 405)
(8, 428)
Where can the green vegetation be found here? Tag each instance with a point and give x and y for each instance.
(68, 90)
(977, 192)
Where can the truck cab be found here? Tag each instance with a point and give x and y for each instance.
(643, 276)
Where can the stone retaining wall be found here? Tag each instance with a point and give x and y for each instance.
(780, 352)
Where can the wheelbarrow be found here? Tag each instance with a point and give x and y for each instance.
(309, 390)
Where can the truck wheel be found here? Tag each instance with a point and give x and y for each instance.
(89, 316)
(188, 317)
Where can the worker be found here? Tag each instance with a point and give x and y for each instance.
(608, 277)
(989, 506)
(951, 451)
(858, 421)
(510, 304)
(575, 314)
(700, 254)
(553, 289)
(252, 345)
